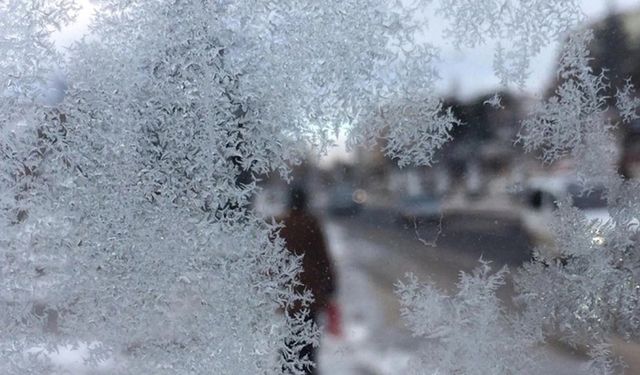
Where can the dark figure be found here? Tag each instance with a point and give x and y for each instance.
(304, 237)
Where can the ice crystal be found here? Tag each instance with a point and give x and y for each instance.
(409, 123)
(574, 122)
(124, 189)
(410, 131)
(628, 102)
(502, 344)
(522, 28)
(124, 199)
(587, 283)
(584, 287)
(604, 361)
(495, 101)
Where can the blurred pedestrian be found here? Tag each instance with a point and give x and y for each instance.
(303, 236)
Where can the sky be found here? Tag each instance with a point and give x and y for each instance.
(470, 73)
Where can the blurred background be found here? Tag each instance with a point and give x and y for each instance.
(484, 197)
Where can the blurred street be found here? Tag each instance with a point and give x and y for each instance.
(374, 250)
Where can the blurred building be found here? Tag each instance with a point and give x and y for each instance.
(482, 151)
(616, 51)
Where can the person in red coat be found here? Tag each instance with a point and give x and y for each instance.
(303, 237)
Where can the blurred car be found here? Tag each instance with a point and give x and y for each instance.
(344, 200)
(541, 197)
(419, 208)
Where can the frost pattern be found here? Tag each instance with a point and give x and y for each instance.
(522, 28)
(586, 287)
(495, 101)
(574, 122)
(410, 131)
(124, 202)
(604, 361)
(628, 102)
(502, 344)
(409, 123)
(594, 291)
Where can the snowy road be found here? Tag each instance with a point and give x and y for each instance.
(372, 254)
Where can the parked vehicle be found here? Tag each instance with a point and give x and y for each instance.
(344, 201)
(543, 194)
(420, 208)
